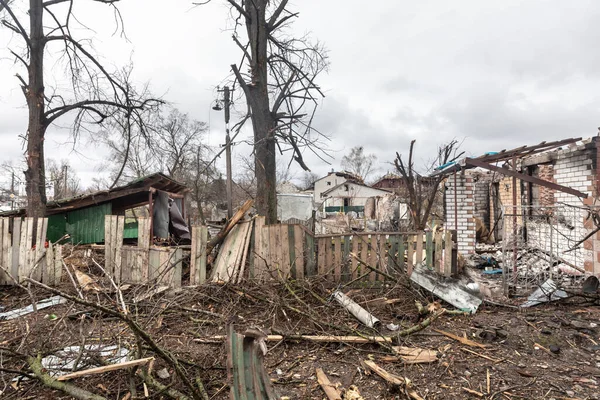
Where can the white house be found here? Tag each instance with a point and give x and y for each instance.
(330, 181)
(349, 194)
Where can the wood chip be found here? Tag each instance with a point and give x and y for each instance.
(463, 340)
(473, 392)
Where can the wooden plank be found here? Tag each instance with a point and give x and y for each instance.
(419, 255)
(393, 240)
(354, 262)
(329, 257)
(227, 259)
(144, 224)
(410, 254)
(164, 257)
(50, 266)
(383, 250)
(345, 258)
(447, 253)
(266, 251)
(299, 241)
(24, 250)
(437, 261)
(199, 241)
(105, 368)
(245, 251)
(429, 249)
(6, 243)
(372, 258)
(16, 240)
(285, 250)
(36, 261)
(4, 279)
(258, 263)
(401, 250)
(321, 258)
(310, 256)
(292, 250)
(274, 251)
(58, 263)
(107, 244)
(176, 271)
(118, 245)
(153, 263)
(127, 255)
(337, 258)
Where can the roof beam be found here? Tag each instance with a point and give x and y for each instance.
(524, 177)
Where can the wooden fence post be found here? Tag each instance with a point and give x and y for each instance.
(198, 256)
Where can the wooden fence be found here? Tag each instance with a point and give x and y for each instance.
(293, 251)
(25, 253)
(144, 263)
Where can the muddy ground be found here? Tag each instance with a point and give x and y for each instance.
(550, 351)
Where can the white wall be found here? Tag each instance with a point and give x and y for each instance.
(326, 183)
(358, 195)
(294, 205)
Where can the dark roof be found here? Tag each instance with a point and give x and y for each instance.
(128, 196)
(351, 183)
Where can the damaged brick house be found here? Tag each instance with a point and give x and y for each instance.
(541, 196)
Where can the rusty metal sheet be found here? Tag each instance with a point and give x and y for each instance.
(245, 367)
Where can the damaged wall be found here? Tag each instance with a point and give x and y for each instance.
(464, 213)
(553, 221)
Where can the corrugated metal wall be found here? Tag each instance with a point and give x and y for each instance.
(87, 225)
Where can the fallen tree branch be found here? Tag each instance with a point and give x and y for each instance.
(198, 394)
(308, 338)
(105, 368)
(393, 379)
(35, 363)
(421, 325)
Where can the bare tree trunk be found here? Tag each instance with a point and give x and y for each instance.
(262, 120)
(35, 174)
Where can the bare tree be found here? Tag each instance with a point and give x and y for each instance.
(280, 90)
(64, 179)
(359, 163)
(96, 94)
(423, 190)
(308, 179)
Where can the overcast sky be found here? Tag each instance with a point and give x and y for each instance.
(496, 74)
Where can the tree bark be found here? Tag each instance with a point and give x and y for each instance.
(262, 120)
(34, 93)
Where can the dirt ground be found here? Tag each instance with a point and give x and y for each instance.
(550, 351)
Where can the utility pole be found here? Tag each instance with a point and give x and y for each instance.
(228, 186)
(228, 153)
(65, 183)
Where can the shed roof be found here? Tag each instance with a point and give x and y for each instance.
(128, 196)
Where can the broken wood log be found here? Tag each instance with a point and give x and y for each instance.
(239, 214)
(105, 368)
(308, 338)
(393, 379)
(329, 388)
(359, 313)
